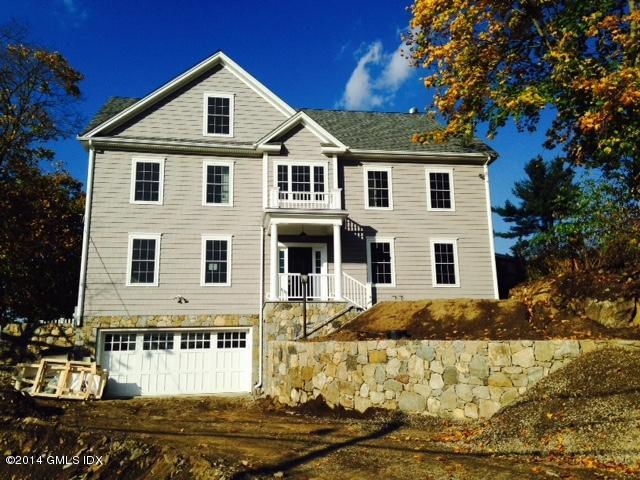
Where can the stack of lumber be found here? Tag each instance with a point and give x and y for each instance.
(66, 379)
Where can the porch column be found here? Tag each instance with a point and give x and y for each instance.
(337, 261)
(273, 294)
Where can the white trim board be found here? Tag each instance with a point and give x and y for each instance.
(205, 113)
(372, 168)
(301, 118)
(432, 254)
(184, 78)
(221, 163)
(211, 236)
(156, 261)
(132, 191)
(448, 171)
(392, 252)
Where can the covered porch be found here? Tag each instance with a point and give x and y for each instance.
(306, 260)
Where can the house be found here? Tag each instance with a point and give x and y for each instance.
(211, 203)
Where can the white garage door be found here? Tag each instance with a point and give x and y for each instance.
(176, 362)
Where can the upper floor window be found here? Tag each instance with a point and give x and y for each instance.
(381, 261)
(301, 182)
(444, 263)
(217, 183)
(218, 114)
(378, 188)
(440, 190)
(143, 259)
(216, 260)
(147, 178)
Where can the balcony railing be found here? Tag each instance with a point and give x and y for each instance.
(320, 286)
(305, 200)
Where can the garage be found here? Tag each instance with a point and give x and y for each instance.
(173, 362)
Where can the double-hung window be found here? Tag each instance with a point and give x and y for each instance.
(440, 189)
(147, 178)
(381, 261)
(378, 189)
(218, 114)
(444, 263)
(216, 260)
(217, 186)
(301, 182)
(143, 259)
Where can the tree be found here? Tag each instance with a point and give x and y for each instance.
(546, 196)
(495, 60)
(41, 213)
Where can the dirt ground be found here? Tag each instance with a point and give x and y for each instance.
(213, 437)
(467, 319)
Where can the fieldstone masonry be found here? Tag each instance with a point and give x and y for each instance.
(452, 379)
(283, 320)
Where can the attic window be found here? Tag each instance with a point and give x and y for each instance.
(218, 114)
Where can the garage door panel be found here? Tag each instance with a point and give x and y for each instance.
(177, 362)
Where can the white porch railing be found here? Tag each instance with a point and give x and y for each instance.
(320, 286)
(305, 200)
(356, 292)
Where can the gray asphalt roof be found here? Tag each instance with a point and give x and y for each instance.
(359, 130)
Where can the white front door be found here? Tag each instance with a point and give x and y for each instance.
(176, 362)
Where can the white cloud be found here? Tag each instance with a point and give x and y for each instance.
(376, 79)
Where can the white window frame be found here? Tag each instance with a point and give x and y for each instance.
(203, 256)
(302, 163)
(448, 171)
(205, 111)
(132, 194)
(373, 168)
(205, 165)
(156, 270)
(450, 240)
(392, 251)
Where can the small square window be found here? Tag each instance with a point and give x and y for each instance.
(157, 341)
(232, 339)
(119, 342)
(195, 340)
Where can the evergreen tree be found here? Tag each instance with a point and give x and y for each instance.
(545, 196)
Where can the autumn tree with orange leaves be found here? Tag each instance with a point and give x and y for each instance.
(489, 61)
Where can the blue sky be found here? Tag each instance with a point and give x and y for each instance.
(329, 54)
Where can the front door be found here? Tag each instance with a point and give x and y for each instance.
(299, 260)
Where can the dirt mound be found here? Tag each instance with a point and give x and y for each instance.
(468, 319)
(589, 408)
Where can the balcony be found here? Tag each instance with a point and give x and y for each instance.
(305, 200)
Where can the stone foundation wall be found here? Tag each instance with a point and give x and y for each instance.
(43, 338)
(283, 320)
(451, 379)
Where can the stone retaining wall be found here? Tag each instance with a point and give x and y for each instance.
(283, 320)
(452, 379)
(43, 338)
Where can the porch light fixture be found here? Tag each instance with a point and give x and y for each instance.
(303, 233)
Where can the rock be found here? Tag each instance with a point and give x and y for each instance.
(331, 393)
(411, 402)
(376, 397)
(478, 367)
(509, 396)
(423, 390)
(393, 385)
(416, 367)
(449, 399)
(488, 408)
(524, 358)
(377, 356)
(364, 390)
(433, 405)
(436, 366)
(544, 351)
(380, 374)
(426, 352)
(499, 354)
(464, 392)
(436, 382)
(450, 376)
(619, 313)
(481, 392)
(471, 410)
(361, 404)
(393, 367)
(499, 379)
